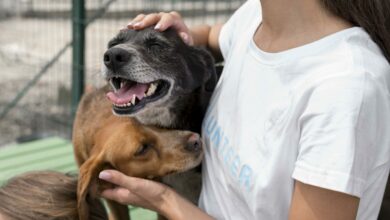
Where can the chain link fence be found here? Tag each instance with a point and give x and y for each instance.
(34, 39)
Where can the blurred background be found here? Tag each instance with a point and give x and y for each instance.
(51, 50)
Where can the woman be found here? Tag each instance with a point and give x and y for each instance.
(298, 126)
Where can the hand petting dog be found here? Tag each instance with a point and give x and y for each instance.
(162, 22)
(150, 195)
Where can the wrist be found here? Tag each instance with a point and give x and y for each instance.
(200, 35)
(170, 206)
(208, 36)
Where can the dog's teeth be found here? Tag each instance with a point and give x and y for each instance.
(122, 105)
(122, 83)
(152, 89)
(133, 100)
(113, 84)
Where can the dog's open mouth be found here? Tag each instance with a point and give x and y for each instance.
(129, 96)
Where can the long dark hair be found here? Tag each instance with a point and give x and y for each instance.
(371, 15)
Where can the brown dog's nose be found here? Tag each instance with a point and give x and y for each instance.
(115, 58)
(194, 144)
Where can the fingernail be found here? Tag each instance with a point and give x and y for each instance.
(184, 36)
(157, 27)
(138, 24)
(104, 175)
(131, 23)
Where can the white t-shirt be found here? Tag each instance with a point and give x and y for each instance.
(319, 114)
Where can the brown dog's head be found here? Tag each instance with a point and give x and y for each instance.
(150, 71)
(136, 150)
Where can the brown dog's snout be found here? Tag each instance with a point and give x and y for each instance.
(194, 144)
(115, 58)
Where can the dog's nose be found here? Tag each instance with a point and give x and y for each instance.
(194, 144)
(115, 58)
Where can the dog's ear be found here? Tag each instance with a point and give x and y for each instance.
(210, 66)
(87, 184)
(202, 65)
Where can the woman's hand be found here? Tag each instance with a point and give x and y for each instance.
(150, 195)
(163, 21)
(135, 191)
(202, 35)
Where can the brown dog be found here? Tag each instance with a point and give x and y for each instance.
(102, 140)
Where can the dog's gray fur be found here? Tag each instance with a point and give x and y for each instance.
(189, 70)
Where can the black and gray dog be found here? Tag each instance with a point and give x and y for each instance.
(161, 81)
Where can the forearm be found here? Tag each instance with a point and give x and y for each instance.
(176, 207)
(205, 35)
(315, 203)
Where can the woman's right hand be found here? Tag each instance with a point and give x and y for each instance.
(162, 22)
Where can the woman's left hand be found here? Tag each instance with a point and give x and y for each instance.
(150, 195)
(135, 191)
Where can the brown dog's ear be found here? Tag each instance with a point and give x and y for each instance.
(87, 184)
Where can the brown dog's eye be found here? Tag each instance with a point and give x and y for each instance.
(143, 149)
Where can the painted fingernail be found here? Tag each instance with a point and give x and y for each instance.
(157, 27)
(104, 175)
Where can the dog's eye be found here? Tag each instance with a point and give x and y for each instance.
(143, 149)
(114, 42)
(154, 45)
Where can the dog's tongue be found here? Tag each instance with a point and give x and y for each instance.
(126, 92)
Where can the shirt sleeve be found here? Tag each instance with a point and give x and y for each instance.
(232, 27)
(344, 134)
